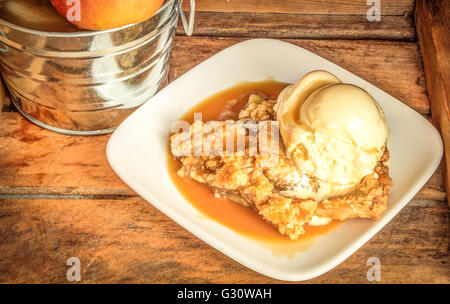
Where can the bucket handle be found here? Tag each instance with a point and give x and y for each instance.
(188, 26)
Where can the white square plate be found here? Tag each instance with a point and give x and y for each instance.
(137, 152)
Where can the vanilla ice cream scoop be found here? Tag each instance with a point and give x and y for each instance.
(333, 131)
(346, 112)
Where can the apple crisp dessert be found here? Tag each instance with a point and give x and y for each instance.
(280, 193)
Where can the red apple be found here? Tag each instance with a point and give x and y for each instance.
(106, 14)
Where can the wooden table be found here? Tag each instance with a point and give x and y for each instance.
(60, 198)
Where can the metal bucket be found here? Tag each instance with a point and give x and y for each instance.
(88, 82)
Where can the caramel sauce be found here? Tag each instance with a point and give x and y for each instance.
(243, 220)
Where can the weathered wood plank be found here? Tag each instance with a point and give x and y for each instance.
(8, 106)
(434, 188)
(395, 67)
(275, 25)
(39, 161)
(129, 241)
(343, 7)
(433, 27)
(3, 95)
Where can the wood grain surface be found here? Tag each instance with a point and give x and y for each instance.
(3, 95)
(129, 241)
(310, 7)
(433, 26)
(395, 67)
(337, 19)
(59, 198)
(276, 25)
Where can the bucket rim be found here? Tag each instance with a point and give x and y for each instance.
(86, 33)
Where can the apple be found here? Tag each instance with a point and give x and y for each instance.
(106, 14)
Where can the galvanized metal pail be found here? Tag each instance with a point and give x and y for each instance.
(88, 82)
